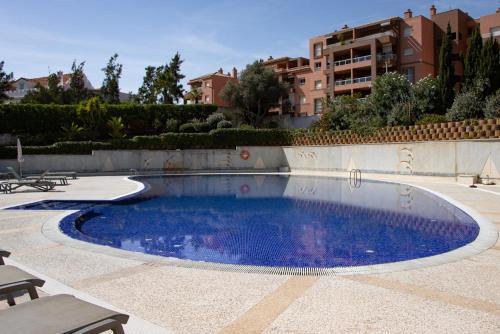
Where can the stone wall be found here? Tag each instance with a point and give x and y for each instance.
(470, 129)
(439, 158)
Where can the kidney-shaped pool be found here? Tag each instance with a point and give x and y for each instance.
(272, 220)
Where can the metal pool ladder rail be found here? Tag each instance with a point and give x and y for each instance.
(355, 178)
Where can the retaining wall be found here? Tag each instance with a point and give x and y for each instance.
(440, 158)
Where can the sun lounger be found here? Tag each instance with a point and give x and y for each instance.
(62, 179)
(60, 314)
(3, 253)
(42, 185)
(13, 280)
(72, 175)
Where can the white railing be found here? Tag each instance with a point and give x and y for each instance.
(343, 82)
(362, 79)
(342, 62)
(361, 58)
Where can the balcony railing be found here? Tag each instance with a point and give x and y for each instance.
(361, 58)
(352, 81)
(343, 82)
(386, 56)
(362, 79)
(342, 62)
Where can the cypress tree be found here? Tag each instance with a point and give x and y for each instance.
(489, 67)
(473, 59)
(446, 75)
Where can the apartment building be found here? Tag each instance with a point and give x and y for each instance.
(21, 86)
(347, 61)
(210, 86)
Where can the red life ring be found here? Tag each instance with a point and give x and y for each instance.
(244, 154)
(244, 188)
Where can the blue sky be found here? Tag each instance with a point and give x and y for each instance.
(38, 36)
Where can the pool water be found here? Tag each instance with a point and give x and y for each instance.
(271, 220)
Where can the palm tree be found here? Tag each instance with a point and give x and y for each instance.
(196, 95)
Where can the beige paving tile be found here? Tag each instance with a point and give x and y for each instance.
(188, 300)
(337, 305)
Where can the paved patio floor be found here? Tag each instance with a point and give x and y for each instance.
(457, 297)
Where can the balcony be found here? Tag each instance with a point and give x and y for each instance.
(361, 58)
(384, 36)
(356, 62)
(356, 83)
(362, 79)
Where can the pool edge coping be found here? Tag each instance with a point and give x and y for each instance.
(486, 239)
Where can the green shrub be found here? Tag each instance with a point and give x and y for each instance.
(92, 113)
(171, 125)
(492, 107)
(224, 124)
(48, 119)
(431, 119)
(214, 119)
(188, 128)
(72, 131)
(465, 106)
(202, 127)
(115, 125)
(246, 127)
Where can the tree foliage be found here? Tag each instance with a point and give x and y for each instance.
(147, 92)
(5, 85)
(489, 67)
(492, 106)
(258, 89)
(162, 84)
(110, 89)
(388, 90)
(446, 75)
(77, 89)
(472, 60)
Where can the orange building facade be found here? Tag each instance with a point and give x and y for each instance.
(348, 60)
(210, 86)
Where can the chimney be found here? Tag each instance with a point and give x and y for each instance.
(270, 58)
(345, 26)
(235, 73)
(60, 75)
(408, 14)
(432, 10)
(220, 71)
(498, 10)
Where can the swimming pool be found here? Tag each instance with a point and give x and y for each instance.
(272, 221)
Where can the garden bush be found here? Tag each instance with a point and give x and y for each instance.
(48, 119)
(492, 107)
(466, 105)
(224, 124)
(431, 119)
(214, 119)
(188, 128)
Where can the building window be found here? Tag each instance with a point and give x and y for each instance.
(302, 81)
(21, 86)
(302, 99)
(207, 84)
(410, 73)
(327, 80)
(408, 52)
(317, 84)
(318, 106)
(495, 31)
(318, 50)
(407, 31)
(207, 98)
(387, 48)
(317, 66)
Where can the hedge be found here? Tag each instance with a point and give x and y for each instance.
(36, 119)
(219, 138)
